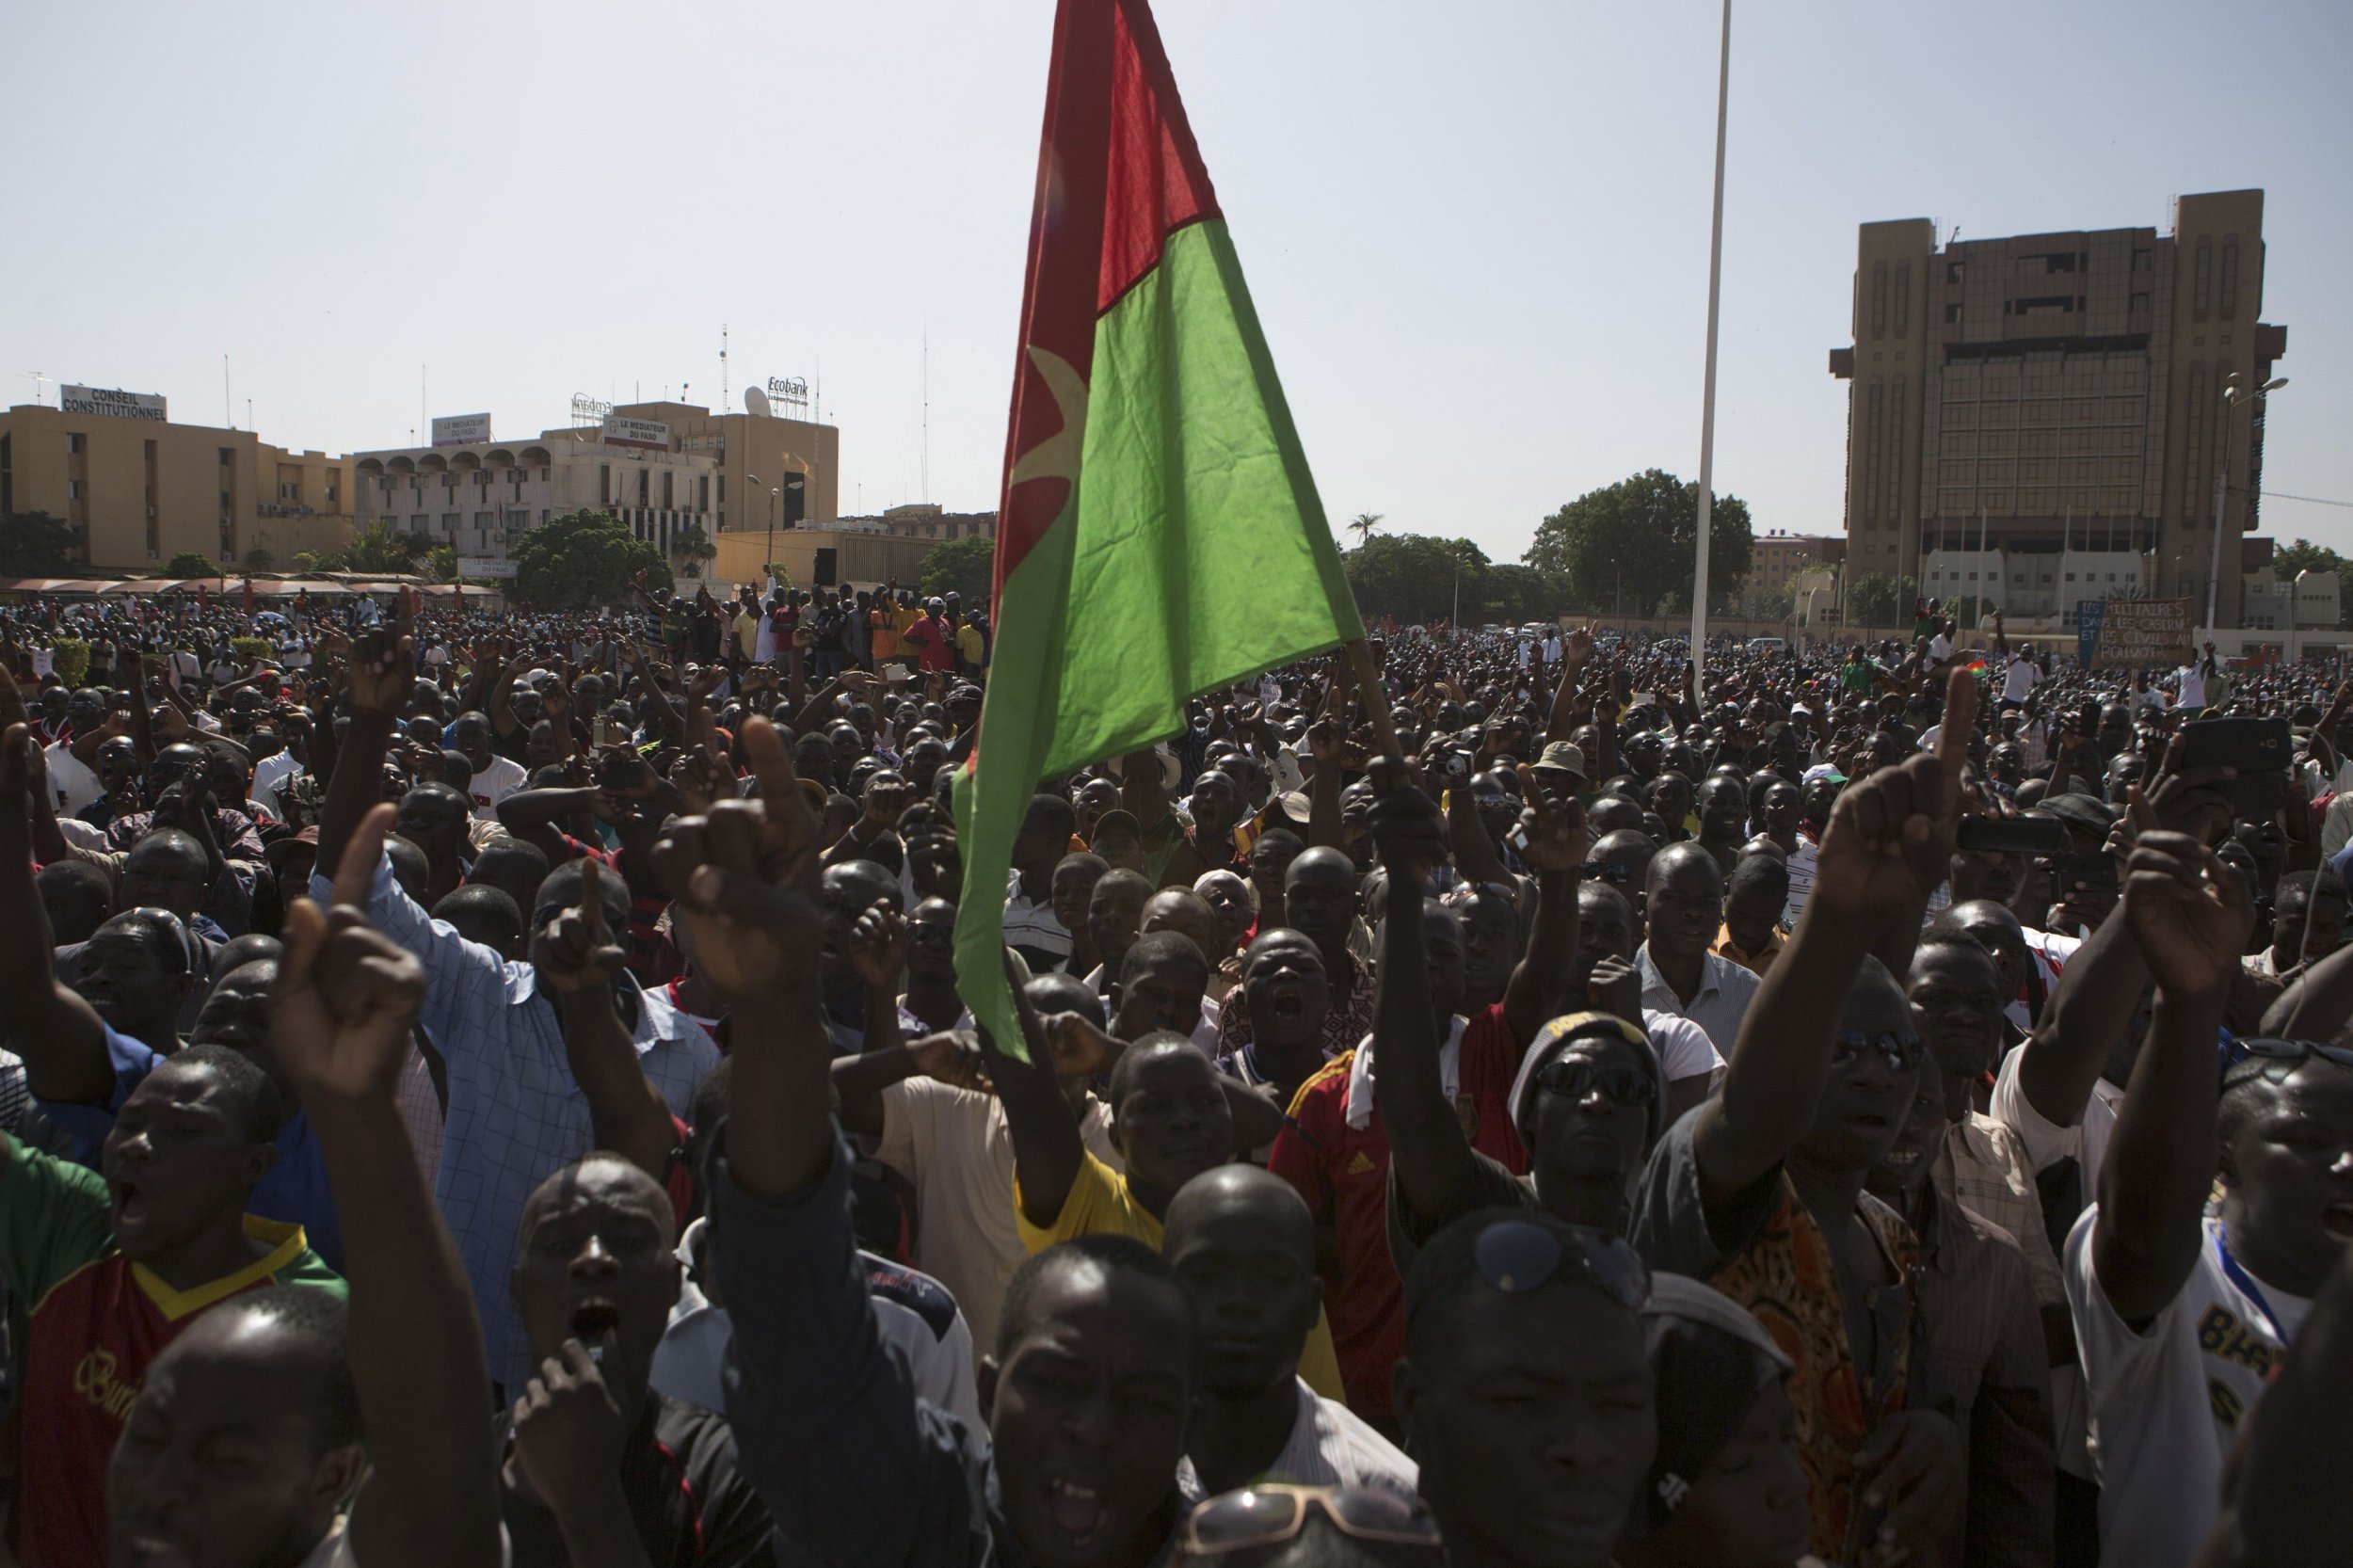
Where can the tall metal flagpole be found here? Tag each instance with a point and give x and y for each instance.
(1708, 386)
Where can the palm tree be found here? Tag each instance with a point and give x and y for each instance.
(1363, 524)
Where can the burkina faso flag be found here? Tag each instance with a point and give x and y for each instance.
(1159, 535)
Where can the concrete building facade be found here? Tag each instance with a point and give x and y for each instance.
(1775, 557)
(139, 492)
(479, 498)
(2012, 395)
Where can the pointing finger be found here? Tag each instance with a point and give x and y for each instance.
(356, 874)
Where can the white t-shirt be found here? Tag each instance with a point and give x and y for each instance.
(2193, 686)
(1682, 1046)
(73, 785)
(2018, 679)
(270, 774)
(2167, 1404)
(502, 778)
(2047, 1143)
(1940, 648)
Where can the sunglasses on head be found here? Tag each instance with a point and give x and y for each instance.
(1518, 1255)
(2245, 1059)
(1272, 1514)
(1574, 1078)
(1900, 1050)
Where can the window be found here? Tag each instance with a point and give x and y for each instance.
(1878, 300)
(1952, 315)
(1952, 272)
(2230, 275)
(604, 484)
(667, 476)
(73, 490)
(73, 442)
(2139, 304)
(2201, 279)
(420, 521)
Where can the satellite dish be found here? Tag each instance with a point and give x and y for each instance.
(755, 402)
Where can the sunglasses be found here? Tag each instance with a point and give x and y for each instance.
(1518, 1255)
(2274, 1059)
(1900, 1050)
(1615, 873)
(927, 933)
(1564, 1076)
(1272, 1514)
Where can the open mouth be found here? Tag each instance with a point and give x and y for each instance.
(1902, 1159)
(2337, 1220)
(1078, 1510)
(130, 1204)
(595, 1318)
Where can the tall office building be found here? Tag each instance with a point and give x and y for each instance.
(2045, 413)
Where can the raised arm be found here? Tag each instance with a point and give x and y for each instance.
(346, 1000)
(55, 1030)
(532, 815)
(1888, 844)
(2190, 915)
(577, 962)
(1430, 1155)
(825, 1422)
(1576, 648)
(1047, 1152)
(1555, 836)
(2089, 1009)
(382, 668)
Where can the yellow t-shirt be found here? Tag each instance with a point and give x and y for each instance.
(1100, 1204)
(899, 620)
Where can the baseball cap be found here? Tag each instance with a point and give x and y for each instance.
(1563, 757)
(1824, 772)
(1558, 1035)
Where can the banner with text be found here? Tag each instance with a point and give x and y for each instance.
(651, 433)
(2142, 633)
(461, 429)
(114, 405)
(485, 565)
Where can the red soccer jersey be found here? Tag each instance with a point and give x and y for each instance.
(93, 1334)
(1343, 1173)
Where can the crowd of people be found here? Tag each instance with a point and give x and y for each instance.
(1859, 1106)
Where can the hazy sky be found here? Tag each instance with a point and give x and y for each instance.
(1477, 234)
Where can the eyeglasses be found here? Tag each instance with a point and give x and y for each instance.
(1270, 1514)
(2274, 1059)
(1900, 1050)
(1518, 1255)
(1565, 1075)
(930, 933)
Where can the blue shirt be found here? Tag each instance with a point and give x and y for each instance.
(293, 1190)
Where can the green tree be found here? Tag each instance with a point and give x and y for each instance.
(1517, 594)
(967, 566)
(1362, 525)
(689, 543)
(1876, 598)
(191, 562)
(440, 564)
(1411, 577)
(583, 558)
(2303, 555)
(33, 544)
(258, 559)
(1632, 543)
(1762, 602)
(377, 547)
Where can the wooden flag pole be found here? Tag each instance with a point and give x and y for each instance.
(1376, 695)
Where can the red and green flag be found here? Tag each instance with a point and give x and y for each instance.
(1158, 535)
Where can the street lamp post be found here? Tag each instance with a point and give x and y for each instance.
(2233, 390)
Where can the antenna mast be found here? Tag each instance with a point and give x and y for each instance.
(722, 365)
(927, 411)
